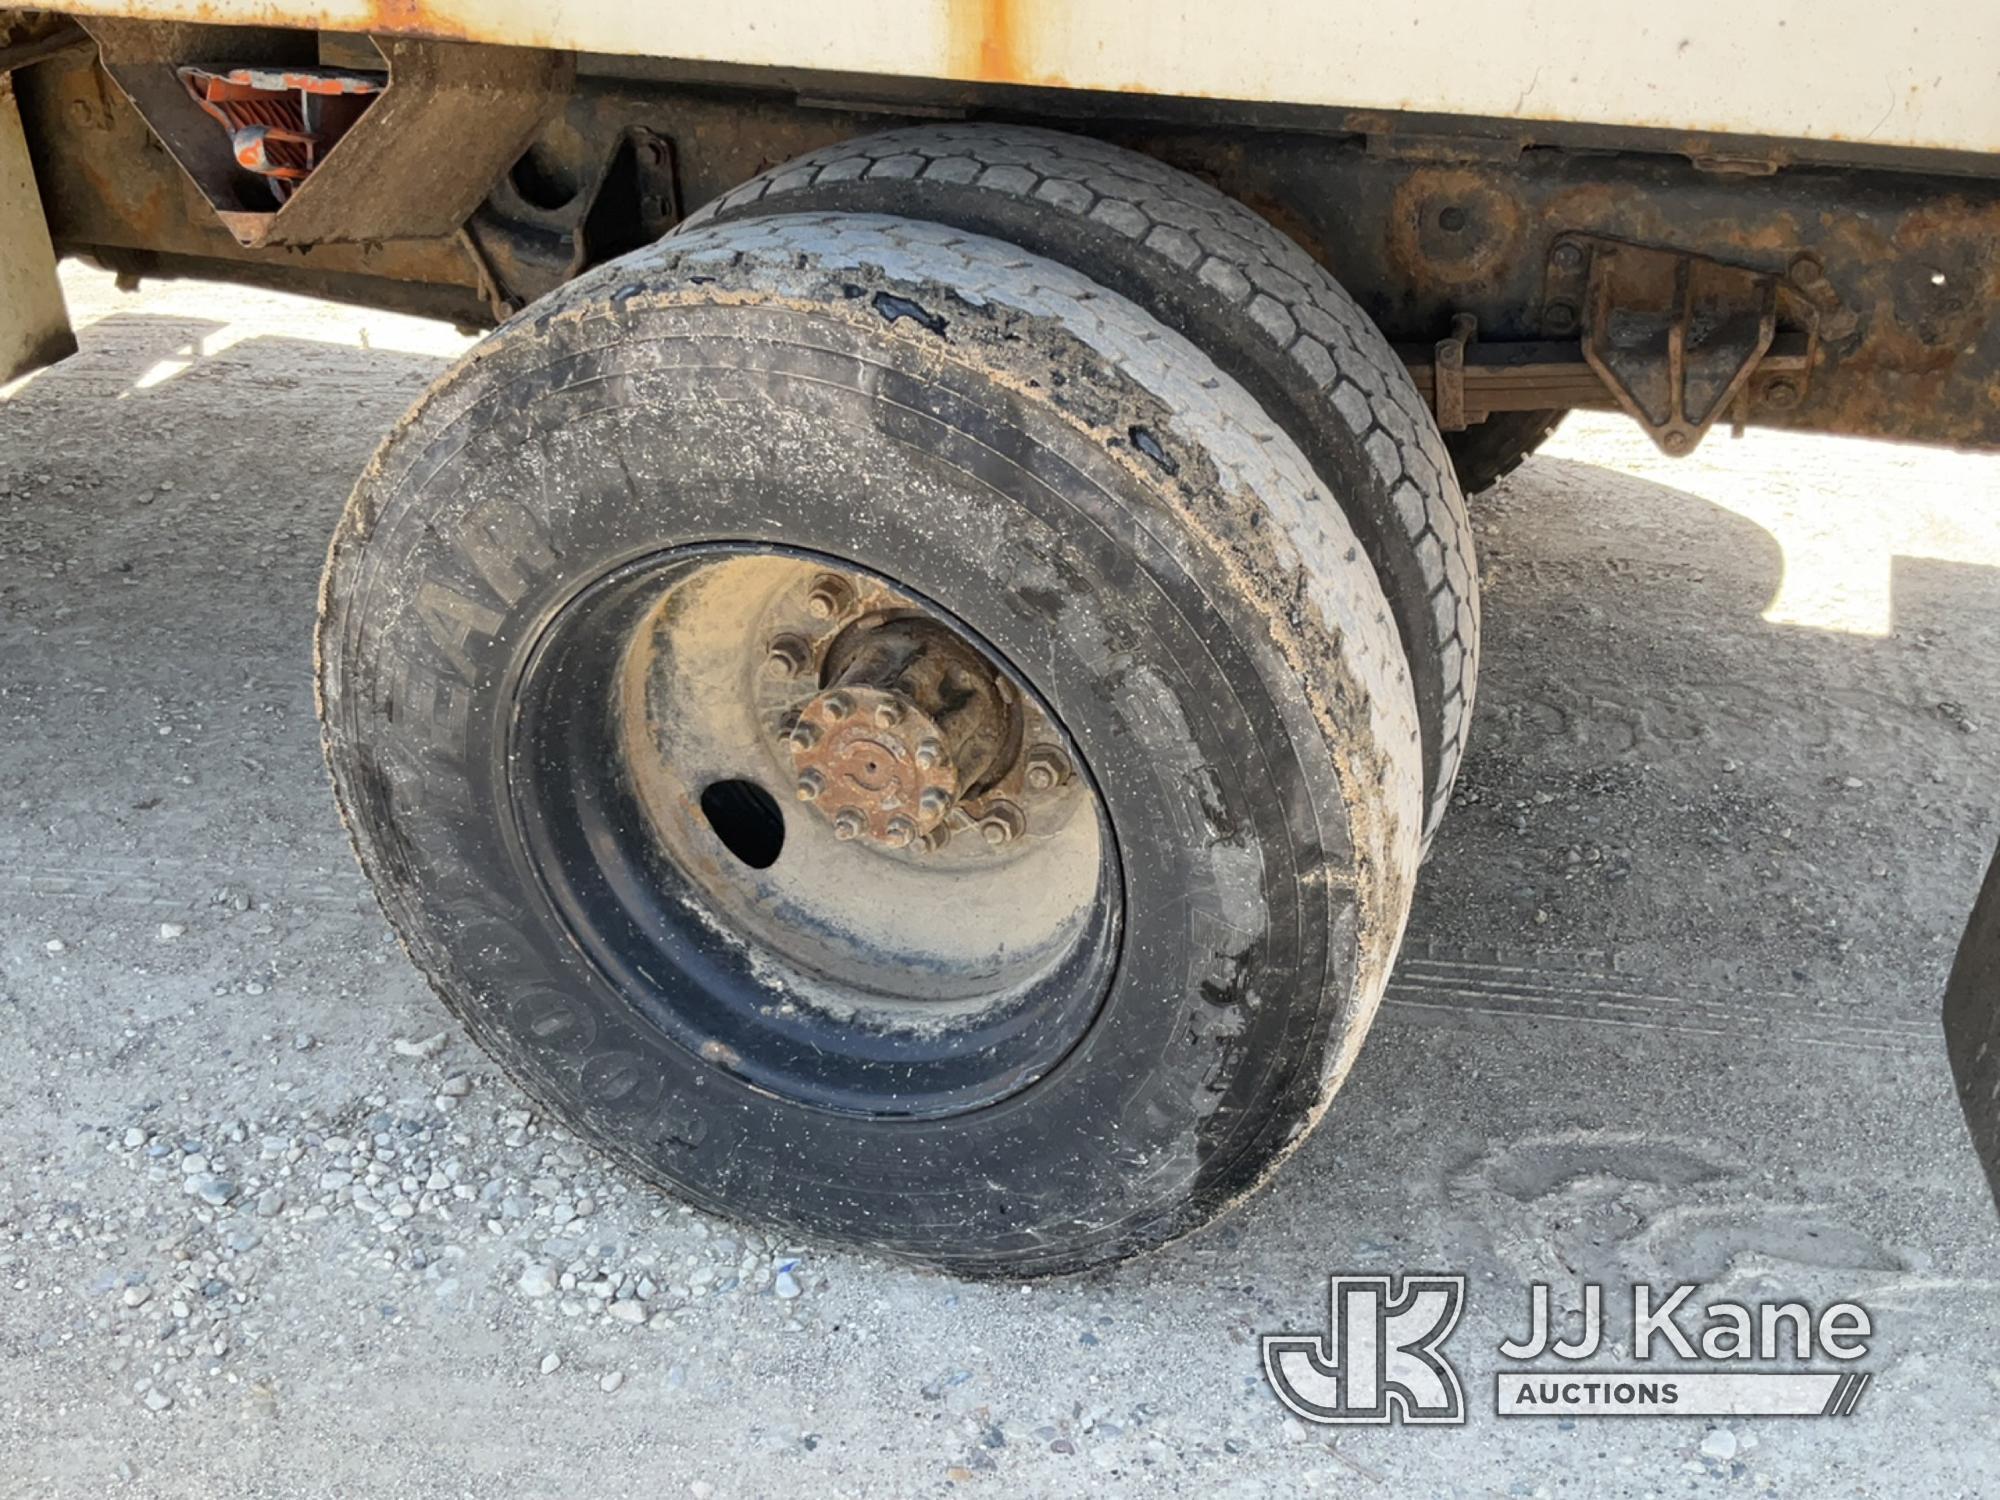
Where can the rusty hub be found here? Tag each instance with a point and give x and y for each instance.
(929, 671)
(911, 729)
(874, 764)
(899, 733)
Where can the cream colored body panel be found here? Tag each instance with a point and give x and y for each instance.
(1921, 75)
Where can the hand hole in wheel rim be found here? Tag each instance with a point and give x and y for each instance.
(747, 819)
(914, 944)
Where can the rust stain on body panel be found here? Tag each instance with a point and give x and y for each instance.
(983, 39)
(1003, 41)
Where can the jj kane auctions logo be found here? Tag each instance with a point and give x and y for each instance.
(1382, 1357)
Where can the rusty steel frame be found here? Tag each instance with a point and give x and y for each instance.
(1897, 274)
(1892, 277)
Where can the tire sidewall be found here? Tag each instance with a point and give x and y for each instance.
(599, 440)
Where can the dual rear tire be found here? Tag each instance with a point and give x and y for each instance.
(888, 736)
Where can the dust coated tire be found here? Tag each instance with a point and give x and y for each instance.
(1244, 294)
(1487, 452)
(1042, 478)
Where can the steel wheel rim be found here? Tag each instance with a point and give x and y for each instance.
(887, 971)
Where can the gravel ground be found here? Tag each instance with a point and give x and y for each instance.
(269, 1226)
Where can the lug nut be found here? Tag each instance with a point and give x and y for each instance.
(929, 753)
(849, 825)
(804, 736)
(888, 715)
(837, 705)
(1047, 769)
(1002, 824)
(935, 802)
(787, 655)
(937, 838)
(900, 833)
(810, 786)
(830, 596)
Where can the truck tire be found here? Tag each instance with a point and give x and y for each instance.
(1487, 452)
(1244, 294)
(647, 636)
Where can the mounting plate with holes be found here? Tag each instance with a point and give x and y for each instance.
(1679, 339)
(448, 121)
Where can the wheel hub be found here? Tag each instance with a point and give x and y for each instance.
(874, 764)
(899, 732)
